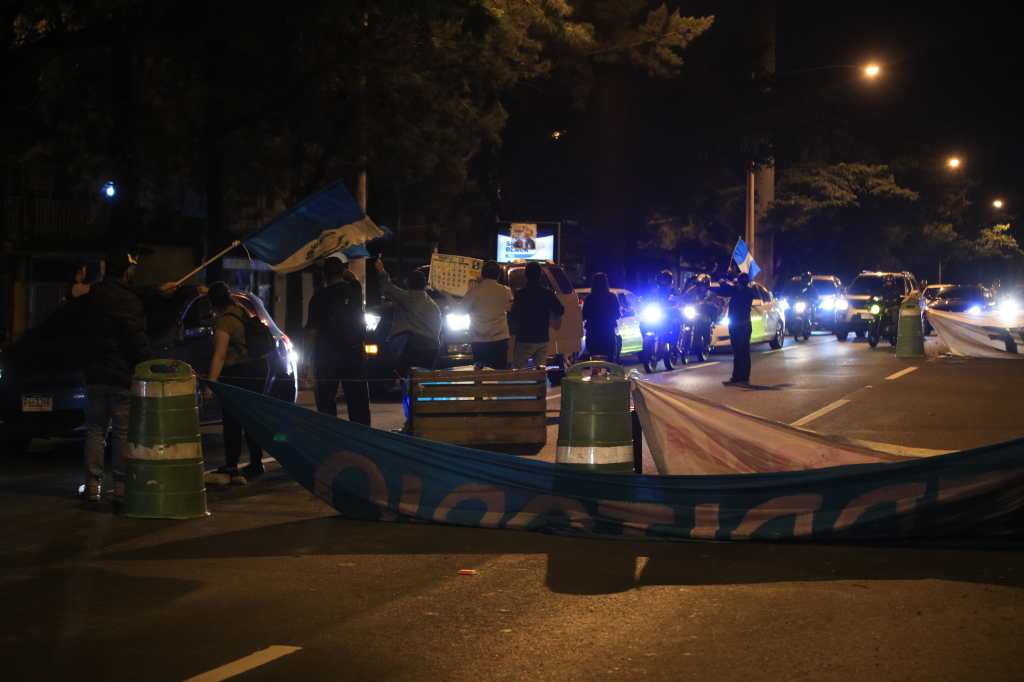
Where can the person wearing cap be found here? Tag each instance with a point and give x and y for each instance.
(116, 342)
(532, 310)
(336, 331)
(417, 319)
(741, 298)
(487, 305)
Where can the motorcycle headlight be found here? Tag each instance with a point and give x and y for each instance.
(457, 322)
(783, 304)
(652, 313)
(974, 310)
(828, 303)
(800, 307)
(371, 320)
(842, 304)
(725, 320)
(875, 309)
(690, 313)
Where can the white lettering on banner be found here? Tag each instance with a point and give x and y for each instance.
(327, 472)
(637, 517)
(705, 522)
(492, 498)
(800, 506)
(412, 492)
(904, 495)
(543, 504)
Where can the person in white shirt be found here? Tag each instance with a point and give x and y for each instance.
(487, 305)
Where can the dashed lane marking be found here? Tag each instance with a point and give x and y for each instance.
(255, 660)
(820, 413)
(901, 373)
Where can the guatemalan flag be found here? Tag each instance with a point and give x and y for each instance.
(745, 260)
(318, 226)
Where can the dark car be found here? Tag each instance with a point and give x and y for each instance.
(42, 389)
(809, 302)
(971, 299)
(853, 309)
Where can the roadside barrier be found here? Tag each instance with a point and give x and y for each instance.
(165, 460)
(595, 431)
(909, 335)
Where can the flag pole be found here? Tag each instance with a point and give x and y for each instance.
(219, 254)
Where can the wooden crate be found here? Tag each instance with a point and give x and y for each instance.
(482, 408)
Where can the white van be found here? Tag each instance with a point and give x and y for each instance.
(566, 332)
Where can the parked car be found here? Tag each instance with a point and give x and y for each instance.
(42, 388)
(971, 299)
(853, 310)
(628, 338)
(766, 318)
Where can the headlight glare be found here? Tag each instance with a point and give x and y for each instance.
(875, 308)
(783, 304)
(974, 310)
(842, 304)
(652, 313)
(457, 322)
(371, 320)
(800, 307)
(690, 313)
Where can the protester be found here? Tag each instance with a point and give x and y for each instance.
(601, 313)
(741, 298)
(232, 364)
(337, 333)
(532, 310)
(116, 341)
(79, 286)
(487, 305)
(417, 319)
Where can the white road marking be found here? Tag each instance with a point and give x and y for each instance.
(700, 366)
(901, 373)
(255, 660)
(820, 413)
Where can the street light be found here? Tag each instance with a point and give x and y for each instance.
(872, 71)
(953, 162)
(109, 189)
(998, 203)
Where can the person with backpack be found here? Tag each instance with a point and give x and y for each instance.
(239, 359)
(336, 331)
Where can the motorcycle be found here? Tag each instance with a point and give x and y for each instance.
(698, 326)
(886, 311)
(659, 323)
(799, 318)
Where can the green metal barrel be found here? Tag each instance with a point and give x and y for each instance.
(165, 460)
(909, 335)
(594, 431)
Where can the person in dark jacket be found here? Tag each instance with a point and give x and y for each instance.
(116, 341)
(532, 309)
(336, 325)
(741, 298)
(601, 314)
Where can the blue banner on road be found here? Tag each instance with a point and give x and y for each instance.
(370, 474)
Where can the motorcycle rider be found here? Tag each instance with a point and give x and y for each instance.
(697, 293)
(666, 329)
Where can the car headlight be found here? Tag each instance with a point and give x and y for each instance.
(875, 309)
(725, 320)
(800, 307)
(1009, 307)
(652, 313)
(974, 310)
(690, 313)
(828, 303)
(457, 322)
(371, 320)
(842, 304)
(783, 304)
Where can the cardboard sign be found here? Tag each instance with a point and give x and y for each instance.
(452, 274)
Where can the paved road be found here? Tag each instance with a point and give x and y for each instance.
(94, 596)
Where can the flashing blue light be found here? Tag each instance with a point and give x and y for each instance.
(652, 314)
(109, 189)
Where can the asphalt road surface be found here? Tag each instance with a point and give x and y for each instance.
(273, 585)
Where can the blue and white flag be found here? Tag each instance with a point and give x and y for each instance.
(319, 225)
(745, 260)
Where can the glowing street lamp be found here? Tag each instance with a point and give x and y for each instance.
(998, 203)
(109, 189)
(953, 162)
(872, 71)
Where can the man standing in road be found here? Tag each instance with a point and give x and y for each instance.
(488, 304)
(117, 341)
(417, 318)
(741, 298)
(532, 310)
(335, 323)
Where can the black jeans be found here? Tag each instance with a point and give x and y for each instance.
(357, 393)
(601, 341)
(251, 376)
(739, 339)
(493, 354)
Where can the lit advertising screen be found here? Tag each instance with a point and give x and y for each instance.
(526, 242)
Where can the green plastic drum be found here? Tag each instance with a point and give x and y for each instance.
(595, 431)
(165, 460)
(909, 335)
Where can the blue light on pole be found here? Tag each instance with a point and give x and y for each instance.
(109, 189)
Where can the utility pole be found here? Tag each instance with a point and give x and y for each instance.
(760, 179)
(358, 265)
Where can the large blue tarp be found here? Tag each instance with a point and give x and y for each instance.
(370, 474)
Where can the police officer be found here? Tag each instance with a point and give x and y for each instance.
(335, 323)
(741, 298)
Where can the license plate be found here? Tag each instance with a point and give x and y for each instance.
(36, 403)
(867, 316)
